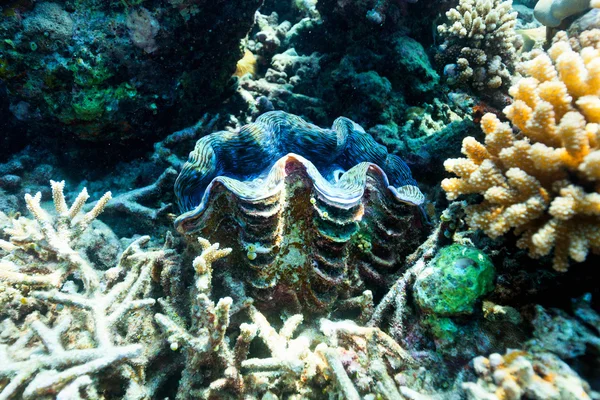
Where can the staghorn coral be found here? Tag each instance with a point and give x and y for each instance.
(165, 151)
(369, 354)
(203, 341)
(141, 208)
(480, 44)
(50, 238)
(73, 334)
(280, 184)
(544, 184)
(340, 357)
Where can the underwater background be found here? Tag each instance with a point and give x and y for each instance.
(299, 199)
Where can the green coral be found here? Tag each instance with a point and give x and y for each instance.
(443, 329)
(89, 104)
(454, 281)
(90, 69)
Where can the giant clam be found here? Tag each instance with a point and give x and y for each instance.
(313, 214)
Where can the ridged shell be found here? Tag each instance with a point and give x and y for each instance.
(314, 214)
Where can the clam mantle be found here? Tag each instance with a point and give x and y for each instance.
(315, 214)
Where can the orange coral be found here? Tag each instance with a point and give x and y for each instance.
(545, 181)
(246, 65)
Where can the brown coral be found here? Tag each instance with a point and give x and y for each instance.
(484, 32)
(545, 180)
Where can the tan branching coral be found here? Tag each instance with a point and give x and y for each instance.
(519, 374)
(545, 180)
(480, 43)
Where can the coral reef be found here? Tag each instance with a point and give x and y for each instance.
(70, 329)
(480, 44)
(545, 185)
(317, 67)
(111, 71)
(307, 264)
(284, 77)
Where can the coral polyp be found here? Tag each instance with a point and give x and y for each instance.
(296, 203)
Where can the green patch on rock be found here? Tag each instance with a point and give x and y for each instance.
(454, 281)
(443, 329)
(89, 104)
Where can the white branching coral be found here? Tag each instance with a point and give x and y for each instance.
(203, 341)
(371, 351)
(50, 237)
(86, 326)
(293, 360)
(57, 366)
(480, 43)
(101, 313)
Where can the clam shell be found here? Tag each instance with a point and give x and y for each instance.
(312, 214)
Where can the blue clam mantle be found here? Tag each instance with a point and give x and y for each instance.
(251, 163)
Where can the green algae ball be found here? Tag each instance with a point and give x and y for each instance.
(454, 281)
